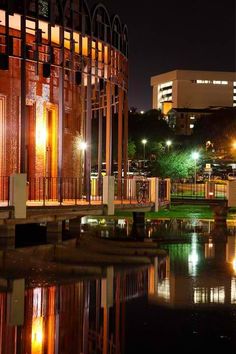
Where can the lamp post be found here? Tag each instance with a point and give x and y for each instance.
(168, 144)
(195, 156)
(144, 142)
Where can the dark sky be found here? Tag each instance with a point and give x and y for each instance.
(175, 34)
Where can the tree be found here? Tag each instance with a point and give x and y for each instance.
(150, 126)
(131, 149)
(218, 127)
(174, 164)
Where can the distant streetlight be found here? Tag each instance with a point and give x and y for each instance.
(141, 112)
(195, 157)
(168, 144)
(144, 142)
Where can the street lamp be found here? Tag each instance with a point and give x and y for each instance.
(144, 142)
(195, 156)
(168, 144)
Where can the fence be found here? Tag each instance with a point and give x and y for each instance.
(129, 190)
(132, 190)
(208, 190)
(62, 189)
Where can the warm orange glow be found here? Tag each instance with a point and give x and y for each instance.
(93, 50)
(41, 134)
(106, 59)
(37, 336)
(55, 34)
(51, 321)
(167, 106)
(44, 27)
(234, 264)
(67, 40)
(100, 51)
(151, 280)
(76, 42)
(85, 46)
(234, 145)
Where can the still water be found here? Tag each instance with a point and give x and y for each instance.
(183, 302)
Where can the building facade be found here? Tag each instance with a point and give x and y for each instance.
(192, 91)
(63, 71)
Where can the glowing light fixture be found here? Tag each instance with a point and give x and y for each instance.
(144, 142)
(83, 145)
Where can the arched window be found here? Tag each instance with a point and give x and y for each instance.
(101, 25)
(125, 41)
(116, 32)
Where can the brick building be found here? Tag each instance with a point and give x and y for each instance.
(61, 67)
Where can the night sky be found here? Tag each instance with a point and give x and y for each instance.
(175, 34)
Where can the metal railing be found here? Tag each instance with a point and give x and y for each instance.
(198, 191)
(63, 189)
(132, 190)
(45, 190)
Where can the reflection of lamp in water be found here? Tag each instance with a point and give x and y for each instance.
(234, 264)
(193, 256)
(37, 335)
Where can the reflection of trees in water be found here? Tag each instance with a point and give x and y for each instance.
(175, 228)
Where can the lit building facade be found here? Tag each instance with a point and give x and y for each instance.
(62, 66)
(192, 91)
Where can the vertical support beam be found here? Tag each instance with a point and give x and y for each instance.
(18, 195)
(108, 194)
(108, 130)
(88, 132)
(99, 148)
(23, 161)
(168, 190)
(61, 114)
(120, 135)
(125, 146)
(154, 184)
(16, 303)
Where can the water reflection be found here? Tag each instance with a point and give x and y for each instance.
(201, 271)
(109, 315)
(83, 317)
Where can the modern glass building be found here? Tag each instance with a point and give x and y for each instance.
(63, 89)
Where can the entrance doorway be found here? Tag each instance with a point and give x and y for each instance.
(51, 152)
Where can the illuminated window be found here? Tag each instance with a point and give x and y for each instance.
(214, 82)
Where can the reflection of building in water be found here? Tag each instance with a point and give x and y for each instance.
(85, 317)
(199, 273)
